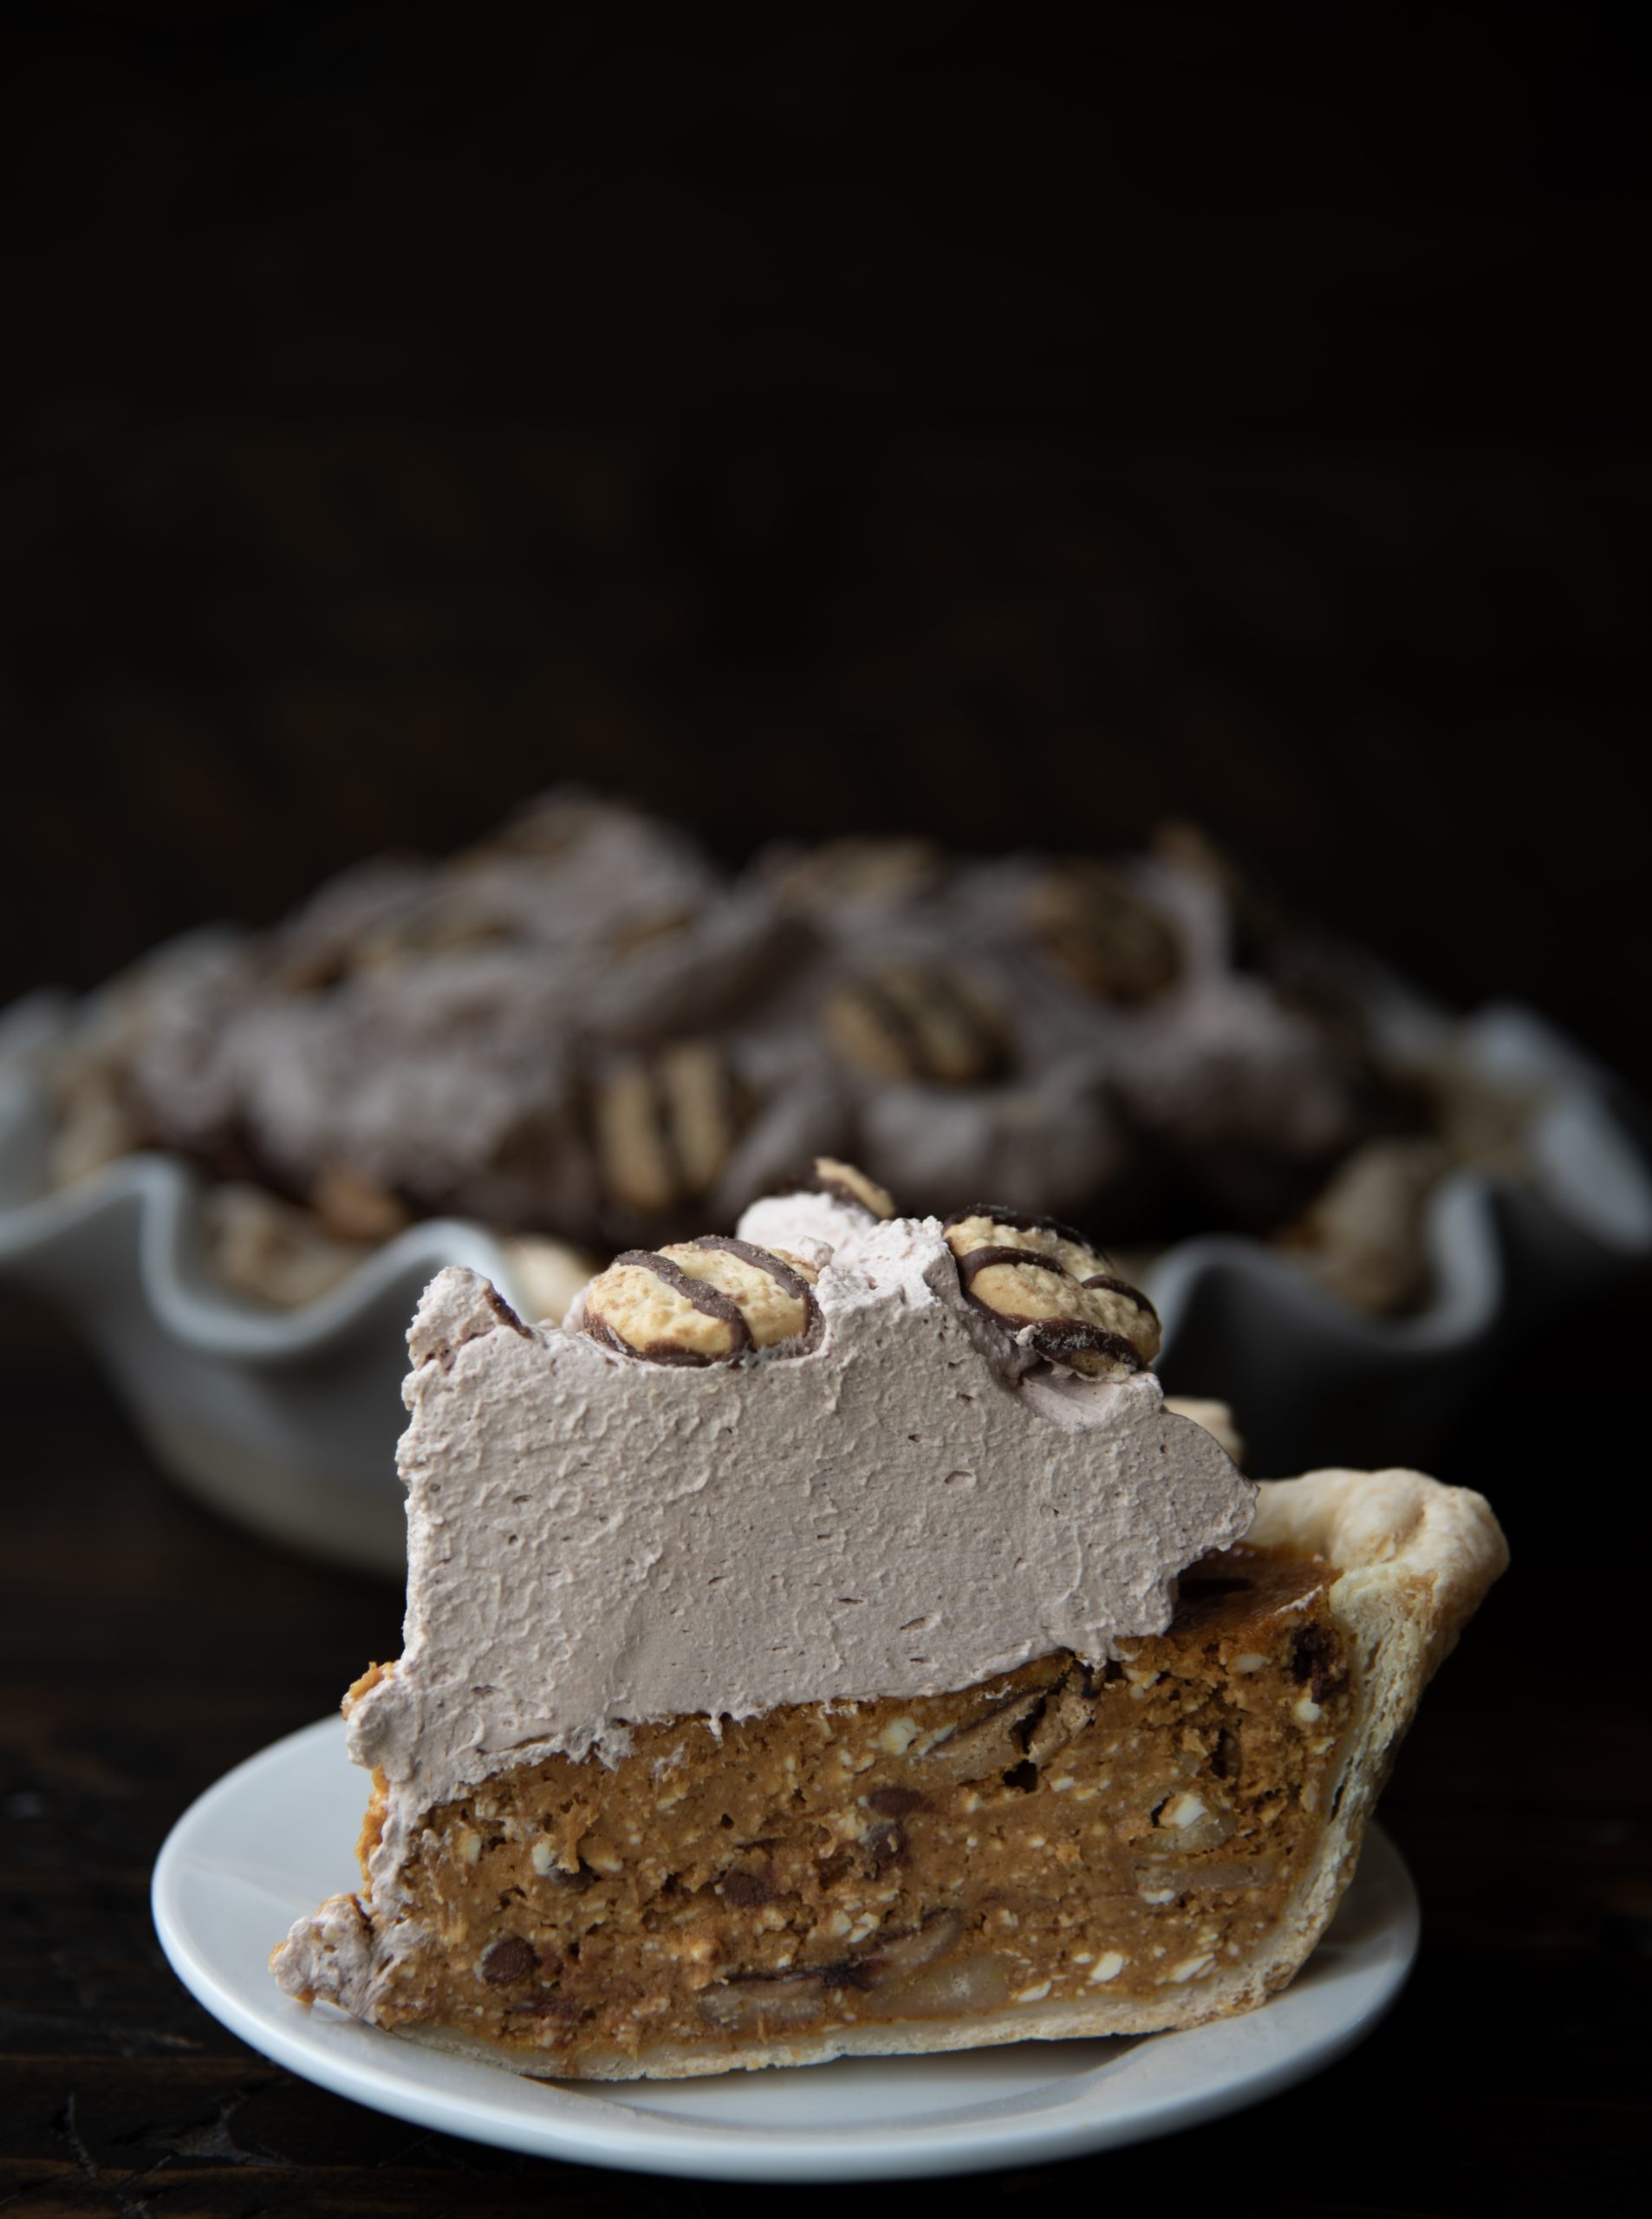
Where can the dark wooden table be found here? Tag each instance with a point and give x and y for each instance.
(147, 1648)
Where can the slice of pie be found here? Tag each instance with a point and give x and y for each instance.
(827, 1642)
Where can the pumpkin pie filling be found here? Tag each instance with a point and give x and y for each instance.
(1042, 1834)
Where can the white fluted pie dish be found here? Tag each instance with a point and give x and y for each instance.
(287, 1421)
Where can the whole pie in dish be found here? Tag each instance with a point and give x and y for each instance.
(583, 1032)
(827, 1641)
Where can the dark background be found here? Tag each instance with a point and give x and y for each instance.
(896, 416)
(892, 415)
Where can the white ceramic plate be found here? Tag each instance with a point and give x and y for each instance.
(274, 1836)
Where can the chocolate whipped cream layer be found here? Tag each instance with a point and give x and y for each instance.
(901, 1504)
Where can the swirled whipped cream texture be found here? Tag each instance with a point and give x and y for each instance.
(910, 1504)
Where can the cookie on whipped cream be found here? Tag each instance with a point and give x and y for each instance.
(1052, 1289)
(707, 1301)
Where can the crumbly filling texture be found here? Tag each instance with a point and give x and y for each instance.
(1043, 1835)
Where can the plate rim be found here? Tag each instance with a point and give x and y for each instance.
(609, 2133)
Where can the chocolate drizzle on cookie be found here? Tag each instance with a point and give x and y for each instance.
(624, 1315)
(974, 1260)
(1045, 1290)
(915, 1021)
(762, 1259)
(1020, 1222)
(1073, 1341)
(1108, 939)
(846, 1183)
(663, 1127)
(710, 1301)
(1109, 1284)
